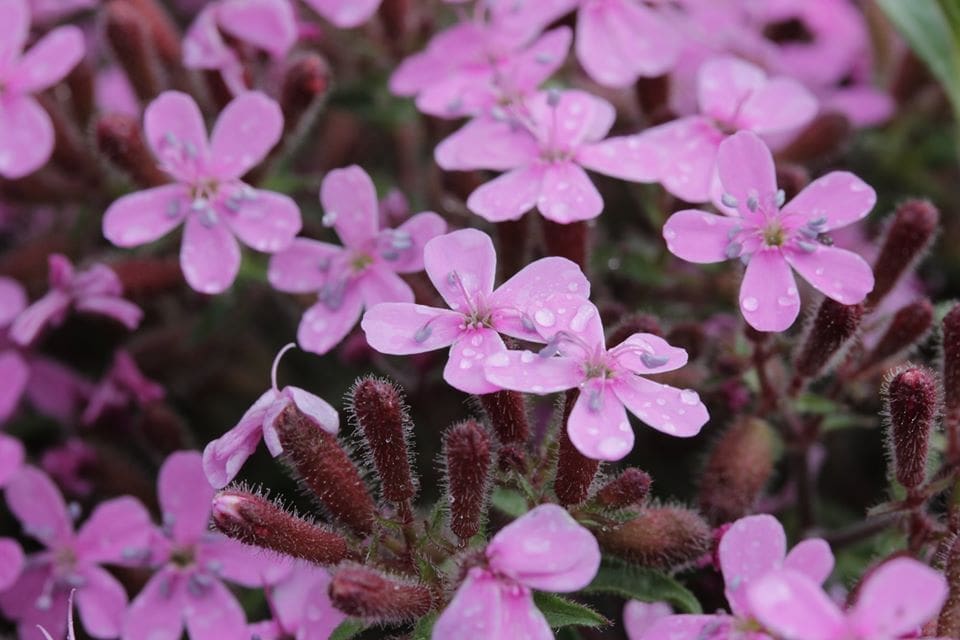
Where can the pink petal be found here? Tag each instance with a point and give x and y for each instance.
(638, 616)
(627, 158)
(223, 457)
(350, 202)
(345, 14)
(11, 562)
(837, 273)
(449, 49)
(461, 262)
(698, 236)
(379, 284)
(289, 597)
(185, 496)
(26, 136)
(575, 118)
(56, 391)
(811, 557)
(535, 64)
(20, 602)
(302, 267)
(768, 294)
(568, 195)
(14, 28)
(546, 549)
(144, 216)
(242, 564)
(598, 425)
(215, 615)
(266, 221)
(115, 531)
(203, 44)
(398, 328)
(724, 84)
(684, 152)
(746, 169)
(420, 229)
(123, 311)
(864, 106)
(897, 598)
(247, 129)
(209, 255)
(476, 610)
(792, 605)
(266, 24)
(752, 547)
(781, 105)
(647, 354)
(509, 196)
(15, 374)
(39, 506)
(48, 61)
(102, 602)
(468, 91)
(840, 197)
(13, 300)
(173, 123)
(567, 312)
(689, 627)
(464, 369)
(485, 143)
(528, 372)
(676, 412)
(320, 410)
(521, 618)
(157, 611)
(325, 617)
(323, 327)
(11, 457)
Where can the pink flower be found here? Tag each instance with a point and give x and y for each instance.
(187, 588)
(224, 456)
(117, 532)
(114, 93)
(124, 384)
(893, 602)
(610, 380)
(71, 632)
(461, 266)
(69, 465)
(733, 95)
(14, 370)
(360, 274)
(345, 14)
(208, 196)
(96, 290)
(301, 606)
(638, 616)
(26, 133)
(55, 390)
(544, 146)
(771, 238)
(749, 550)
(544, 549)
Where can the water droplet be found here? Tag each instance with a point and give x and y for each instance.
(669, 234)
(544, 317)
(750, 303)
(612, 447)
(527, 356)
(690, 397)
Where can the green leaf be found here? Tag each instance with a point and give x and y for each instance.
(509, 502)
(561, 612)
(640, 583)
(424, 627)
(347, 629)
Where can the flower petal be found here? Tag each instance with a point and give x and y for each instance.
(630, 158)
(531, 67)
(570, 313)
(39, 506)
(837, 273)
(13, 300)
(14, 28)
(676, 412)
(508, 196)
(647, 354)
(638, 616)
(476, 610)
(115, 531)
(398, 328)
(215, 615)
(48, 61)
(323, 327)
(11, 562)
(15, 373)
(174, 126)
(768, 294)
(317, 408)
(897, 598)
(11, 456)
(266, 24)
(350, 203)
(464, 369)
(302, 267)
(247, 129)
(26, 136)
(485, 143)
(782, 105)
(145, 216)
(688, 626)
(123, 311)
(157, 611)
(749, 549)
(243, 564)
(568, 195)
(812, 557)
(223, 457)
(462, 262)
(698, 236)
(746, 169)
(724, 84)
(185, 496)
(573, 118)
(49, 310)
(379, 284)
(101, 602)
(598, 425)
(345, 14)
(209, 255)
(265, 221)
(792, 605)
(419, 229)
(840, 197)
(528, 372)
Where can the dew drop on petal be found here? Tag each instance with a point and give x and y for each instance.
(750, 303)
(544, 317)
(689, 396)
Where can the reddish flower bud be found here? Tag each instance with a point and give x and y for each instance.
(305, 83)
(653, 94)
(469, 459)
(258, 522)
(832, 328)
(120, 140)
(689, 336)
(81, 84)
(660, 537)
(909, 235)
(512, 238)
(907, 327)
(948, 626)
(575, 471)
(911, 399)
(163, 428)
(828, 132)
(364, 593)
(629, 488)
(129, 36)
(164, 34)
(951, 376)
(508, 416)
(737, 469)
(570, 241)
(632, 323)
(326, 470)
(148, 276)
(381, 413)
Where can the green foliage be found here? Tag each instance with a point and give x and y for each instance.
(561, 612)
(639, 583)
(347, 629)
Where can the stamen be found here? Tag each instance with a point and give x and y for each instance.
(808, 247)
(595, 400)
(276, 363)
(733, 250)
(454, 278)
(780, 198)
(729, 201)
(422, 334)
(652, 361)
(753, 203)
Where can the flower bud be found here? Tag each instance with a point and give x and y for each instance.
(828, 132)
(907, 327)
(468, 456)
(575, 471)
(737, 469)
(258, 522)
(914, 225)
(833, 326)
(508, 416)
(120, 140)
(364, 593)
(951, 375)
(512, 236)
(660, 537)
(911, 398)
(948, 626)
(326, 470)
(305, 83)
(570, 241)
(129, 37)
(381, 413)
(629, 488)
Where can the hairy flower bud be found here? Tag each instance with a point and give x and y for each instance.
(508, 416)
(951, 377)
(833, 326)
(256, 521)
(364, 593)
(380, 411)
(948, 626)
(305, 83)
(629, 488)
(908, 326)
(737, 469)
(575, 471)
(660, 537)
(326, 469)
(468, 457)
(911, 397)
(570, 241)
(910, 233)
(129, 36)
(120, 140)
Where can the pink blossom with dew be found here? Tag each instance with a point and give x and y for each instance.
(772, 236)
(363, 272)
(71, 632)
(192, 562)
(96, 290)
(267, 25)
(223, 457)
(545, 549)
(26, 132)
(462, 266)
(610, 381)
(117, 532)
(345, 14)
(734, 95)
(894, 601)
(301, 607)
(544, 146)
(640, 616)
(14, 370)
(208, 195)
(124, 384)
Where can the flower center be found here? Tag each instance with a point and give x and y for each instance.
(774, 234)
(182, 556)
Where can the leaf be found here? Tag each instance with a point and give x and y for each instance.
(640, 583)
(424, 627)
(561, 612)
(509, 502)
(347, 629)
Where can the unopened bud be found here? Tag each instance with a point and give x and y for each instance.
(512, 237)
(907, 327)
(632, 323)
(364, 593)
(951, 375)
(948, 625)
(570, 241)
(326, 469)
(120, 140)
(381, 413)
(469, 459)
(911, 399)
(828, 132)
(575, 471)
(832, 328)
(914, 225)
(258, 522)
(737, 469)
(305, 83)
(508, 416)
(129, 35)
(629, 488)
(660, 537)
